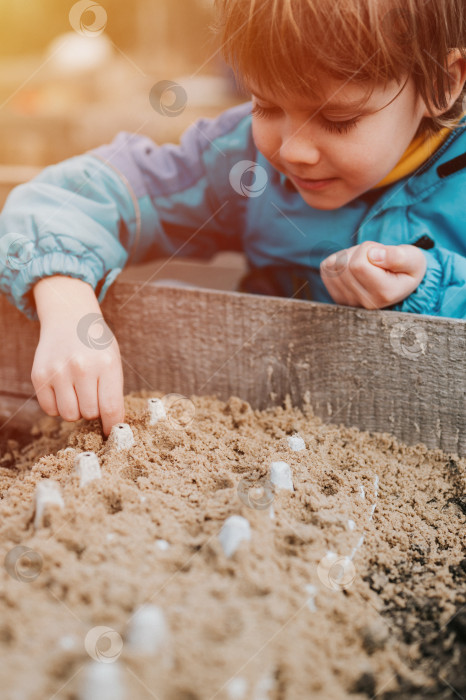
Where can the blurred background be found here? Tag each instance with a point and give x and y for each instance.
(74, 74)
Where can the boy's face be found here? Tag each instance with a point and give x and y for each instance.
(344, 150)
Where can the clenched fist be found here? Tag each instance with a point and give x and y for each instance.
(373, 275)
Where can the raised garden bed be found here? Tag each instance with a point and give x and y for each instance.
(351, 585)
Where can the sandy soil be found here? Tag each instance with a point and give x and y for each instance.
(351, 586)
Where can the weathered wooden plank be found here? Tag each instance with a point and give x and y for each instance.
(379, 371)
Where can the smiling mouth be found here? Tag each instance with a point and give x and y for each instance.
(311, 179)
(312, 183)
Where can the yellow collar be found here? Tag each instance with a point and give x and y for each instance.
(419, 150)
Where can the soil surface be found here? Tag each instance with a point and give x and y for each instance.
(352, 586)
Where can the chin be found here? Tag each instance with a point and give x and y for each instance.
(320, 203)
(330, 201)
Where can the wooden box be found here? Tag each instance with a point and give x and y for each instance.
(377, 370)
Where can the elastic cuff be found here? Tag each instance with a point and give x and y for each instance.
(104, 284)
(88, 269)
(426, 298)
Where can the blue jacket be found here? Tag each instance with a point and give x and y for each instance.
(132, 201)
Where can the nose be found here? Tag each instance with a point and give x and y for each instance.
(298, 147)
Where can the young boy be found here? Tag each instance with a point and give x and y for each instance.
(345, 184)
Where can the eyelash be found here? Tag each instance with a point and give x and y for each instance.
(338, 127)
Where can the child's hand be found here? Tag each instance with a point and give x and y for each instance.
(77, 366)
(360, 276)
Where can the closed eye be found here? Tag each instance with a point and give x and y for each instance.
(340, 127)
(263, 112)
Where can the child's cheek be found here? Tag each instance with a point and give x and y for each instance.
(360, 163)
(266, 138)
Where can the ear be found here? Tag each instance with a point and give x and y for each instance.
(456, 67)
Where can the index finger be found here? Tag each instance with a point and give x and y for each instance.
(110, 398)
(335, 264)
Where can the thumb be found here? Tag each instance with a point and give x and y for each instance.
(396, 258)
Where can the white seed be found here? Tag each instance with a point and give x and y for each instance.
(376, 493)
(264, 686)
(162, 544)
(235, 530)
(156, 411)
(336, 572)
(280, 476)
(359, 544)
(296, 443)
(237, 688)
(350, 525)
(311, 590)
(362, 493)
(148, 630)
(121, 436)
(88, 467)
(47, 496)
(68, 642)
(102, 681)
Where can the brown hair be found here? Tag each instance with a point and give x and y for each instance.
(284, 44)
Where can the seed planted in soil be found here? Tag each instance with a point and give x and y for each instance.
(148, 630)
(235, 530)
(336, 572)
(237, 688)
(156, 411)
(296, 443)
(121, 437)
(264, 688)
(47, 496)
(280, 476)
(311, 590)
(87, 466)
(102, 682)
